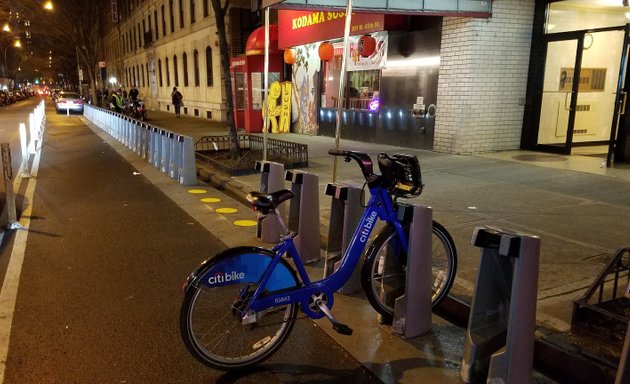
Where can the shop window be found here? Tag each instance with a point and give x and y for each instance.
(160, 72)
(168, 73)
(185, 65)
(196, 67)
(240, 90)
(175, 74)
(361, 86)
(181, 13)
(209, 74)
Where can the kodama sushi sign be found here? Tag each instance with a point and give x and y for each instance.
(313, 26)
(316, 18)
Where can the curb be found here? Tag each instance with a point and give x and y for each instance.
(554, 355)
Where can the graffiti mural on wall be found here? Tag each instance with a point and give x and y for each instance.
(305, 90)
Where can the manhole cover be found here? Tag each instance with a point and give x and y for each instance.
(539, 158)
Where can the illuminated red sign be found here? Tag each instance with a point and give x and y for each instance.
(301, 27)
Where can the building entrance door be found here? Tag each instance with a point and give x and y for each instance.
(582, 90)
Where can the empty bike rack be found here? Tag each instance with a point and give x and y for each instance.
(345, 213)
(499, 345)
(304, 213)
(172, 154)
(412, 311)
(271, 180)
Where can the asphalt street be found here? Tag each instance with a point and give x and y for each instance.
(100, 286)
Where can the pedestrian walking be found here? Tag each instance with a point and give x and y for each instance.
(177, 98)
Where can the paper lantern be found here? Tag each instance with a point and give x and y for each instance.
(367, 45)
(326, 51)
(289, 56)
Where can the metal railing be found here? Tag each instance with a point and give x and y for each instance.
(604, 309)
(215, 151)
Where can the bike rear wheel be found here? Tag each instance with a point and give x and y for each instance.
(383, 273)
(212, 330)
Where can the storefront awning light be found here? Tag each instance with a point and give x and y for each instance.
(419, 62)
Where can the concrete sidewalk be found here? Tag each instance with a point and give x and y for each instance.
(580, 211)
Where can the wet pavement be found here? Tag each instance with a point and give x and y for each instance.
(578, 209)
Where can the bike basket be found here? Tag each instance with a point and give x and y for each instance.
(402, 174)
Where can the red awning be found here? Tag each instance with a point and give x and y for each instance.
(256, 41)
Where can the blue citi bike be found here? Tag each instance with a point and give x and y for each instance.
(240, 306)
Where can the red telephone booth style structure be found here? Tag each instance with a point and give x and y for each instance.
(247, 73)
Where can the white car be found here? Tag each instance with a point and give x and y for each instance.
(69, 102)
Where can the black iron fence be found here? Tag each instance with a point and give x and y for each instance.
(215, 150)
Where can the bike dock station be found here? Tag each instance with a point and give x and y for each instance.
(500, 338)
(171, 153)
(345, 213)
(412, 310)
(304, 214)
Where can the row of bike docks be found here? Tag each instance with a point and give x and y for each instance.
(499, 341)
(173, 154)
(30, 145)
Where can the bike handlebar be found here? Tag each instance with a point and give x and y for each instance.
(364, 160)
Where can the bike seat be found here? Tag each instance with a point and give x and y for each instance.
(266, 202)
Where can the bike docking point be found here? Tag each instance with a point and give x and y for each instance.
(165, 161)
(345, 214)
(271, 180)
(412, 311)
(304, 214)
(499, 345)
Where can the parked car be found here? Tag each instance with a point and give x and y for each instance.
(69, 102)
(3, 98)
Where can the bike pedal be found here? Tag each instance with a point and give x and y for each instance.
(342, 329)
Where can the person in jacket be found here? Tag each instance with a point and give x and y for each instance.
(176, 99)
(117, 101)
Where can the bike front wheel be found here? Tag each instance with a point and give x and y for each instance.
(211, 315)
(384, 269)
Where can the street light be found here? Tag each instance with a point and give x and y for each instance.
(48, 6)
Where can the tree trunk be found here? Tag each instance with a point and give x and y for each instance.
(220, 13)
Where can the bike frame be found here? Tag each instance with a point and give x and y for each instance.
(380, 206)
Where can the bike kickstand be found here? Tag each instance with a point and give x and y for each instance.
(337, 326)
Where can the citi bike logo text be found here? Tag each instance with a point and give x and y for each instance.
(225, 277)
(367, 226)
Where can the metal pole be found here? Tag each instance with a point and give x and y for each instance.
(342, 84)
(266, 69)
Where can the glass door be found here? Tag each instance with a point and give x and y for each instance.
(558, 101)
(618, 143)
(582, 91)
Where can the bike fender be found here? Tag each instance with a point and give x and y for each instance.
(241, 265)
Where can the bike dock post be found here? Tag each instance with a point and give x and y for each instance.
(304, 214)
(165, 161)
(271, 180)
(157, 147)
(412, 311)
(345, 213)
(176, 156)
(499, 341)
(187, 171)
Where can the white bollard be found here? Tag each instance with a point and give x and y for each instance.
(26, 173)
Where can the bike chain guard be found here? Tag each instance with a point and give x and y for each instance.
(312, 309)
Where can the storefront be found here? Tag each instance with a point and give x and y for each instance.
(578, 80)
(390, 95)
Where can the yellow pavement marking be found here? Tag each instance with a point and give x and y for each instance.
(227, 210)
(197, 191)
(246, 223)
(210, 200)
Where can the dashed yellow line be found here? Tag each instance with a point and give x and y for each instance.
(210, 200)
(226, 210)
(245, 223)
